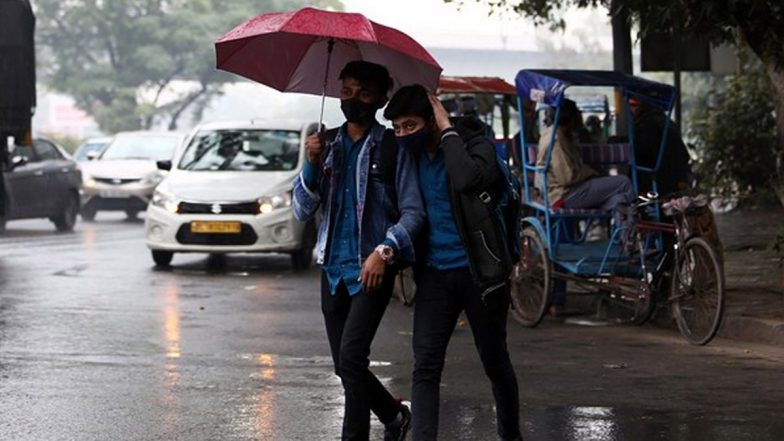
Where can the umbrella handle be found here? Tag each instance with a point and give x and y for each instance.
(330, 47)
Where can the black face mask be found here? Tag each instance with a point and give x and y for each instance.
(357, 111)
(416, 142)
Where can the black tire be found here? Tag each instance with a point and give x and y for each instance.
(87, 214)
(162, 258)
(697, 292)
(66, 220)
(531, 287)
(302, 259)
(132, 214)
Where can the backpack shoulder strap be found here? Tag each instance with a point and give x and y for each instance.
(389, 157)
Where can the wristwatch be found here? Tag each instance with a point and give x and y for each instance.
(386, 252)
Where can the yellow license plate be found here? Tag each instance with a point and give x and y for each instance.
(216, 227)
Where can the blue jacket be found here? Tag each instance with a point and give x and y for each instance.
(381, 215)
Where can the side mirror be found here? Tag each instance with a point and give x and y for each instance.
(92, 156)
(165, 165)
(17, 161)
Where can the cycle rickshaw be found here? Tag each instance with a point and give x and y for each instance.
(634, 261)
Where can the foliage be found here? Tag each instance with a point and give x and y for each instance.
(735, 132)
(760, 23)
(123, 61)
(68, 142)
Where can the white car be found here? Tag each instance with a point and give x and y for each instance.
(124, 176)
(229, 191)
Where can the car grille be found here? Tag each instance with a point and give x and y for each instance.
(233, 208)
(113, 181)
(246, 237)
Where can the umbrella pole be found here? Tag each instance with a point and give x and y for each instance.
(330, 47)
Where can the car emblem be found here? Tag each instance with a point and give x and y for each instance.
(216, 209)
(117, 181)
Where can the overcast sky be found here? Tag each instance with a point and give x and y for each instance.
(436, 24)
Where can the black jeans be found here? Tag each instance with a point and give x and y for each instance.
(440, 297)
(351, 323)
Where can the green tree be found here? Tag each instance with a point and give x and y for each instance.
(758, 24)
(735, 133)
(134, 63)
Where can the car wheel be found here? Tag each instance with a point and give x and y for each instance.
(66, 220)
(162, 258)
(132, 214)
(88, 214)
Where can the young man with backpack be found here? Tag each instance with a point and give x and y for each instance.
(463, 256)
(371, 208)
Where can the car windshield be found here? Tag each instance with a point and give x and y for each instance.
(85, 149)
(242, 150)
(152, 147)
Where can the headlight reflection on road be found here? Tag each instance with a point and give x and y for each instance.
(265, 400)
(171, 417)
(171, 319)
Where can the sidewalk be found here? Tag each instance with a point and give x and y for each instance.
(754, 276)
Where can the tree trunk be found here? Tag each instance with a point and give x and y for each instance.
(776, 76)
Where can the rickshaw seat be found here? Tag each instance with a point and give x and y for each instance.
(580, 212)
(593, 154)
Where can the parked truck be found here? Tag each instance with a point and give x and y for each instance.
(17, 80)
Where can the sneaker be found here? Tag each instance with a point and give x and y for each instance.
(398, 429)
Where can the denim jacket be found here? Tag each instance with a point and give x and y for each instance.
(381, 216)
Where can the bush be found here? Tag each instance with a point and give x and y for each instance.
(68, 142)
(736, 137)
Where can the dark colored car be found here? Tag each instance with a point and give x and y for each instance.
(42, 181)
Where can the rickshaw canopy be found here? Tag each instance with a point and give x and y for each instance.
(548, 85)
(494, 85)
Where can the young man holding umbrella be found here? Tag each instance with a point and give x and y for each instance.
(371, 210)
(462, 260)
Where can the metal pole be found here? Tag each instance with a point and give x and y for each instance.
(330, 47)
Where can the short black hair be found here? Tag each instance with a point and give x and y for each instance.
(569, 113)
(368, 73)
(409, 100)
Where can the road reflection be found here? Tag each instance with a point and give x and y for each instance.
(265, 398)
(172, 414)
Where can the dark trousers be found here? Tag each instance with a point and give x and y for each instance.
(441, 296)
(351, 323)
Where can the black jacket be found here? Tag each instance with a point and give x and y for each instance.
(675, 171)
(476, 183)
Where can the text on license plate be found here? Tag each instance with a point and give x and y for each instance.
(109, 194)
(216, 227)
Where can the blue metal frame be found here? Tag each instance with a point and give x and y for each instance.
(644, 90)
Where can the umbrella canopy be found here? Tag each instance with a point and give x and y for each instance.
(289, 51)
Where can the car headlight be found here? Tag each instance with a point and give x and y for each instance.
(271, 203)
(165, 201)
(87, 180)
(154, 178)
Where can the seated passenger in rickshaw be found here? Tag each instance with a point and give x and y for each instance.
(570, 183)
(675, 171)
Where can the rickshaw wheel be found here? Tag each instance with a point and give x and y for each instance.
(531, 280)
(697, 292)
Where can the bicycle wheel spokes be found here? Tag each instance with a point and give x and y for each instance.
(697, 292)
(531, 280)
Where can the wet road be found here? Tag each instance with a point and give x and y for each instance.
(95, 344)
